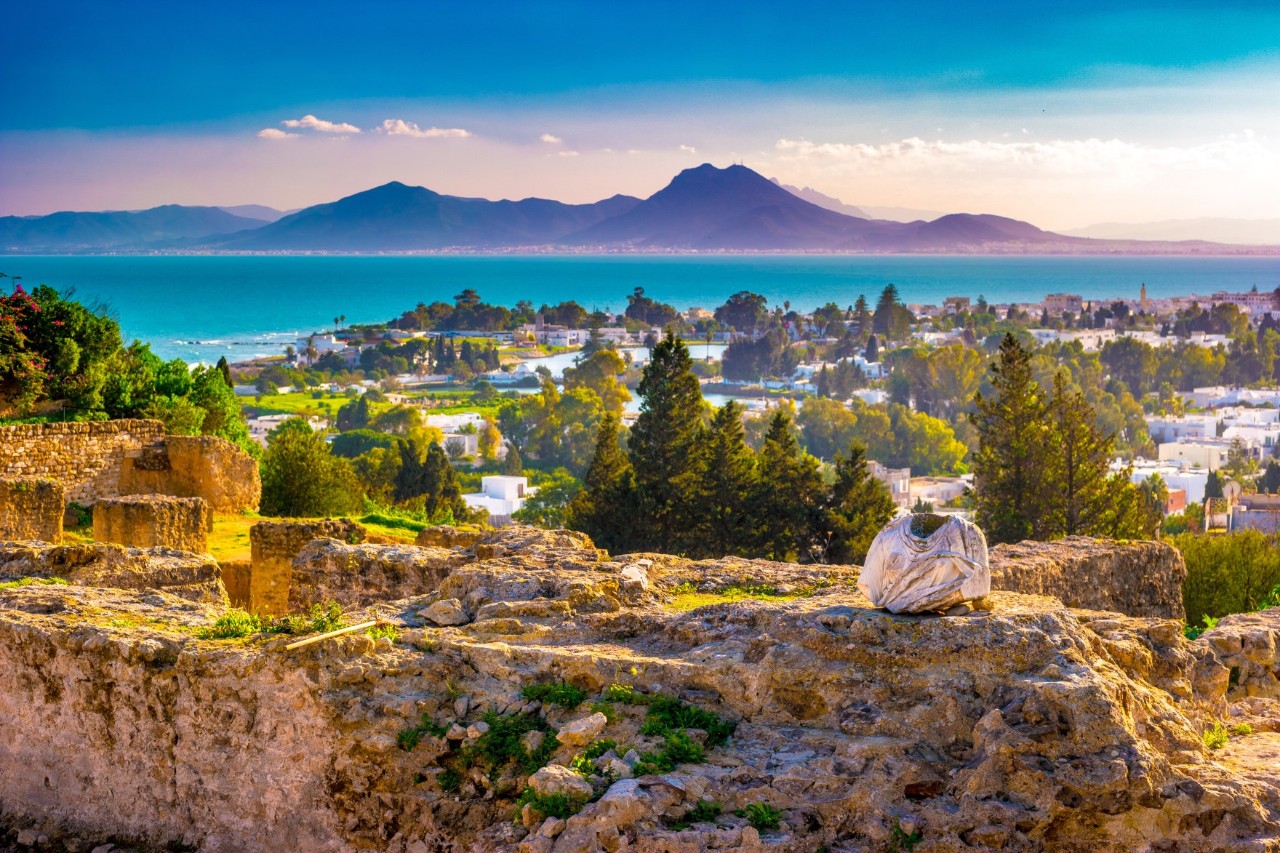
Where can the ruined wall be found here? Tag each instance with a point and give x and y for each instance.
(358, 575)
(31, 508)
(194, 577)
(235, 577)
(154, 521)
(85, 457)
(273, 546)
(196, 466)
(1135, 578)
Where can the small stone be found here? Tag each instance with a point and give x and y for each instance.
(554, 779)
(28, 838)
(104, 848)
(447, 611)
(584, 731)
(619, 768)
(551, 827)
(476, 730)
(456, 732)
(958, 610)
(461, 705)
(532, 741)
(631, 758)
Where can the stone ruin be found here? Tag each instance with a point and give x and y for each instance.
(31, 508)
(194, 466)
(154, 521)
(274, 545)
(1029, 726)
(194, 577)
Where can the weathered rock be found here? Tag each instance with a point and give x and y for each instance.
(1025, 727)
(194, 466)
(582, 731)
(356, 575)
(85, 457)
(1248, 645)
(554, 779)
(447, 611)
(910, 571)
(1135, 578)
(195, 577)
(446, 536)
(273, 547)
(31, 508)
(154, 521)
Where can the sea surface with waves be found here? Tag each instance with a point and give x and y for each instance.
(200, 307)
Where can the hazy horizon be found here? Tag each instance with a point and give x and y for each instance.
(1064, 118)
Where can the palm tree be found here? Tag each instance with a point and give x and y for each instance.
(311, 352)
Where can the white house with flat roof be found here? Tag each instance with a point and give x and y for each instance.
(501, 496)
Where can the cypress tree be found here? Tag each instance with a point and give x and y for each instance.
(882, 320)
(431, 477)
(726, 483)
(1009, 465)
(857, 507)
(604, 508)
(663, 442)
(872, 354)
(788, 495)
(225, 370)
(512, 464)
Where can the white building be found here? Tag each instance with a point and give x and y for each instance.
(1172, 429)
(501, 496)
(1205, 453)
(1176, 476)
(260, 428)
(461, 443)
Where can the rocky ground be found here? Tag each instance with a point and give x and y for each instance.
(540, 695)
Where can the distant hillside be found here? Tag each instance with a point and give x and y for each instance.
(396, 217)
(79, 232)
(255, 211)
(812, 196)
(1247, 232)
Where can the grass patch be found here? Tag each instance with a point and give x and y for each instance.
(503, 744)
(321, 619)
(686, 596)
(393, 522)
(1217, 735)
(678, 748)
(609, 710)
(235, 623)
(380, 632)
(706, 811)
(21, 582)
(555, 693)
(549, 805)
(597, 748)
(667, 714)
(762, 816)
(412, 736)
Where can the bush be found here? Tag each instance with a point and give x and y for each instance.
(550, 805)
(1227, 573)
(234, 623)
(762, 816)
(564, 695)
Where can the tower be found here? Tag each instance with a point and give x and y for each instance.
(1142, 297)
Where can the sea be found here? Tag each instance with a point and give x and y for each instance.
(199, 307)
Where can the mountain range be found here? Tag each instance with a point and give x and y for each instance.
(702, 209)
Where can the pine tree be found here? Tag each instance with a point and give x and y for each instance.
(225, 370)
(857, 507)
(1009, 465)
(787, 504)
(663, 441)
(882, 320)
(725, 486)
(862, 318)
(604, 508)
(512, 464)
(1082, 489)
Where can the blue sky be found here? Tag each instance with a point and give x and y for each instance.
(1059, 112)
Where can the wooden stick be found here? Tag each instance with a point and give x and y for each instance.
(297, 644)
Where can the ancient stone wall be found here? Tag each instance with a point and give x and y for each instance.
(273, 546)
(235, 577)
(198, 466)
(1135, 578)
(195, 577)
(154, 521)
(85, 457)
(31, 509)
(358, 575)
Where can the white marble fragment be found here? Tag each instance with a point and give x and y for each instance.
(906, 573)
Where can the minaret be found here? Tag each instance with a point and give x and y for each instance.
(1142, 297)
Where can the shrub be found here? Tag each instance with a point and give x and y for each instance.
(706, 811)
(762, 816)
(559, 693)
(900, 839)
(412, 736)
(1228, 573)
(503, 744)
(378, 632)
(597, 748)
(321, 618)
(234, 623)
(668, 714)
(550, 805)
(620, 693)
(1215, 737)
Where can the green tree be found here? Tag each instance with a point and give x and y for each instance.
(788, 496)
(664, 440)
(724, 488)
(354, 414)
(599, 373)
(1081, 490)
(427, 477)
(743, 311)
(606, 506)
(548, 505)
(1012, 439)
(301, 478)
(857, 508)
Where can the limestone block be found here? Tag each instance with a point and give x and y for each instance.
(153, 521)
(924, 562)
(273, 546)
(358, 575)
(31, 508)
(200, 466)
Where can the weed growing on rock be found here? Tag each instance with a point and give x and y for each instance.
(667, 714)
(389, 632)
(503, 744)
(20, 582)
(677, 749)
(1217, 735)
(706, 811)
(597, 748)
(450, 780)
(900, 840)
(558, 693)
(620, 693)
(322, 618)
(410, 737)
(609, 710)
(549, 805)
(762, 816)
(1240, 729)
(234, 623)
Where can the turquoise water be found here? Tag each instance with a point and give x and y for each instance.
(202, 307)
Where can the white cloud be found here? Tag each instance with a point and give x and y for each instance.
(689, 149)
(567, 153)
(550, 139)
(274, 133)
(313, 123)
(400, 127)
